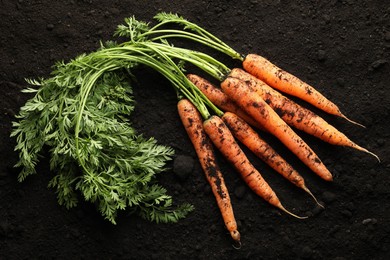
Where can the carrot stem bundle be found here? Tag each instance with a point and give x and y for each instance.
(226, 144)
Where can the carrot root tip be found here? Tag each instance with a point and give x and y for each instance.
(367, 151)
(351, 121)
(235, 235)
(237, 245)
(312, 195)
(290, 213)
(373, 154)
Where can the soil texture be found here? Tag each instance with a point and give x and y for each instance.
(342, 47)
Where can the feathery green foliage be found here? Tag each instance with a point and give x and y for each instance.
(81, 114)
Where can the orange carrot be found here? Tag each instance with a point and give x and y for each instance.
(296, 115)
(247, 98)
(249, 137)
(193, 124)
(220, 99)
(226, 144)
(288, 83)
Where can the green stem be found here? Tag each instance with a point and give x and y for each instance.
(85, 90)
(200, 35)
(143, 53)
(203, 61)
(165, 19)
(165, 34)
(188, 55)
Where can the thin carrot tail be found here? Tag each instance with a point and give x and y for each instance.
(280, 206)
(366, 151)
(351, 121)
(237, 240)
(312, 195)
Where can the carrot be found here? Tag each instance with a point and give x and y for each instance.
(249, 137)
(290, 84)
(226, 144)
(220, 99)
(246, 97)
(253, 63)
(296, 115)
(193, 124)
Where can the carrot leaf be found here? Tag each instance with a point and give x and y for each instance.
(81, 115)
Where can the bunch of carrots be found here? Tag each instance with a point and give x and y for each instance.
(248, 101)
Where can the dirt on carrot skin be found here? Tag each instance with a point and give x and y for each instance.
(339, 47)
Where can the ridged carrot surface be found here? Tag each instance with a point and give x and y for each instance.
(193, 124)
(247, 98)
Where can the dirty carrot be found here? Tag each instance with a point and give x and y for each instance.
(220, 99)
(227, 145)
(251, 139)
(296, 115)
(253, 63)
(193, 124)
(290, 84)
(246, 97)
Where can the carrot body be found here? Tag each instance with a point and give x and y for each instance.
(220, 99)
(246, 135)
(288, 83)
(247, 98)
(296, 115)
(249, 137)
(226, 144)
(193, 124)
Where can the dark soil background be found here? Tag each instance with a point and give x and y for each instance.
(340, 47)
